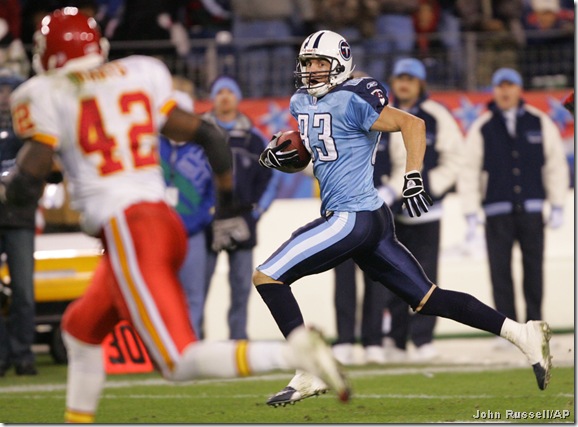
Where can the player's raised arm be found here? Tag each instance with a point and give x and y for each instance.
(412, 129)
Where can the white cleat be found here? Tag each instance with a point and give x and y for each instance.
(313, 355)
(425, 353)
(534, 341)
(393, 354)
(344, 353)
(301, 386)
(375, 354)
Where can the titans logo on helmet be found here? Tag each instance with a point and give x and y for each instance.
(344, 50)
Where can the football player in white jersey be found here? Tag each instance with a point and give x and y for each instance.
(340, 120)
(102, 120)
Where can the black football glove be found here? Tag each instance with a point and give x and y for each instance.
(273, 157)
(414, 195)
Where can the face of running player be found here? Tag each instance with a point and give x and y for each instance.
(319, 68)
(406, 89)
(507, 95)
(226, 102)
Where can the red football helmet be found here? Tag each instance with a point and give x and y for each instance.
(67, 35)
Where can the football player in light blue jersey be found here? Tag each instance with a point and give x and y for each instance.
(340, 120)
(337, 131)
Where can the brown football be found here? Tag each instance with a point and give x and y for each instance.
(296, 144)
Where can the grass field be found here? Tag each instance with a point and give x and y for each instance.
(390, 394)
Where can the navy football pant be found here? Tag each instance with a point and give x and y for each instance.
(367, 237)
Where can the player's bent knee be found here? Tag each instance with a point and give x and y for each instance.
(260, 278)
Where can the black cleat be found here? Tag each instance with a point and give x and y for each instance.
(542, 374)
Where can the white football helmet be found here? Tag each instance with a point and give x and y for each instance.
(332, 47)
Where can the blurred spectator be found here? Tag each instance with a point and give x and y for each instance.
(374, 295)
(514, 162)
(426, 21)
(209, 19)
(17, 228)
(394, 36)
(251, 181)
(449, 30)
(439, 41)
(32, 14)
(261, 29)
(205, 18)
(429, 46)
(353, 19)
(550, 51)
(153, 20)
(441, 166)
(12, 53)
(548, 14)
(108, 15)
(190, 190)
(10, 21)
(87, 7)
(500, 33)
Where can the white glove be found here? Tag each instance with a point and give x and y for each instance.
(53, 197)
(556, 217)
(387, 194)
(228, 232)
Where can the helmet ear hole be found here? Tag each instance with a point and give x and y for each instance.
(340, 68)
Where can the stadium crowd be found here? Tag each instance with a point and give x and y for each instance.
(256, 38)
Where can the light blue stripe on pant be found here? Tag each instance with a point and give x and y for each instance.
(310, 242)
